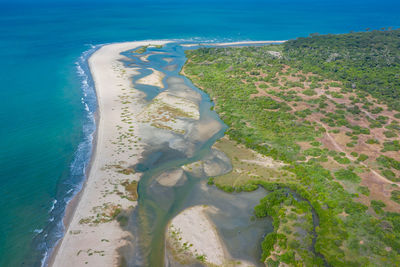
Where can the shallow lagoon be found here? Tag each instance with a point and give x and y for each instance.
(167, 151)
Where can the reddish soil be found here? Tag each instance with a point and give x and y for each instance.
(380, 187)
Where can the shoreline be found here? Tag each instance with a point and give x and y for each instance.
(74, 201)
(70, 247)
(235, 43)
(102, 236)
(70, 209)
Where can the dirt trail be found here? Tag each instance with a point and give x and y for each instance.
(338, 147)
(262, 92)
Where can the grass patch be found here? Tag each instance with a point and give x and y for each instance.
(131, 189)
(347, 175)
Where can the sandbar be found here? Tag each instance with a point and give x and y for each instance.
(93, 235)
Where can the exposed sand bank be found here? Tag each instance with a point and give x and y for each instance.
(214, 164)
(172, 178)
(93, 235)
(192, 238)
(192, 235)
(155, 78)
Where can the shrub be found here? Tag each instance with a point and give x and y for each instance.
(332, 153)
(377, 205)
(395, 196)
(389, 134)
(363, 190)
(226, 188)
(389, 174)
(354, 154)
(309, 92)
(347, 175)
(376, 110)
(288, 257)
(342, 160)
(315, 143)
(268, 244)
(372, 141)
(391, 146)
(362, 157)
(351, 144)
(388, 162)
(314, 152)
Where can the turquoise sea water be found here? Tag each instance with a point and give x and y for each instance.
(46, 99)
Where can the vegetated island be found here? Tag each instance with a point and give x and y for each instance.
(326, 110)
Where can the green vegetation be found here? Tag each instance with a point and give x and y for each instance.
(372, 141)
(391, 146)
(347, 175)
(388, 162)
(362, 157)
(389, 165)
(390, 175)
(181, 251)
(105, 213)
(342, 160)
(131, 189)
(390, 134)
(363, 190)
(141, 49)
(395, 196)
(282, 122)
(377, 205)
(247, 167)
(368, 61)
(289, 217)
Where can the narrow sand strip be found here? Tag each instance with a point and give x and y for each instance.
(251, 42)
(94, 235)
(236, 43)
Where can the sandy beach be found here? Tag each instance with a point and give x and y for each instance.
(93, 234)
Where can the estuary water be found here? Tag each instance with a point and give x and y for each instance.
(166, 152)
(47, 96)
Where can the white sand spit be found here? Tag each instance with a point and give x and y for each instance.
(236, 43)
(93, 235)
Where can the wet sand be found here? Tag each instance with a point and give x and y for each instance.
(93, 235)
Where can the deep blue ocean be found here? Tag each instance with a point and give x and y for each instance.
(47, 100)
